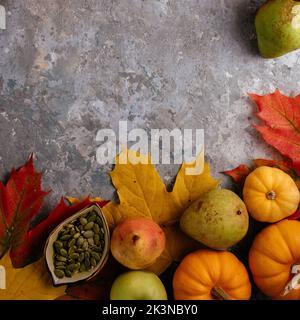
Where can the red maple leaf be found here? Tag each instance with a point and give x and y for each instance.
(20, 202)
(281, 128)
(295, 216)
(238, 174)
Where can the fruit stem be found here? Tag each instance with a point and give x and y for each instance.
(271, 195)
(294, 283)
(219, 294)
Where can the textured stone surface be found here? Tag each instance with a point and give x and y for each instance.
(69, 68)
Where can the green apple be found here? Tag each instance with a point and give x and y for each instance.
(277, 25)
(138, 285)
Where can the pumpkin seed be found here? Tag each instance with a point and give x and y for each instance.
(71, 250)
(71, 243)
(88, 234)
(65, 244)
(61, 258)
(68, 273)
(81, 257)
(97, 249)
(82, 268)
(96, 239)
(63, 232)
(71, 267)
(63, 252)
(87, 263)
(60, 267)
(91, 241)
(57, 245)
(65, 237)
(59, 263)
(59, 273)
(96, 228)
(89, 226)
(76, 235)
(93, 262)
(83, 221)
(95, 255)
(85, 245)
(98, 220)
(74, 256)
(92, 217)
(80, 241)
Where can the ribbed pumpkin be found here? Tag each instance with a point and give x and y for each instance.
(274, 254)
(211, 275)
(270, 194)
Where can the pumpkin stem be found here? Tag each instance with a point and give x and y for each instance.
(271, 195)
(294, 283)
(219, 294)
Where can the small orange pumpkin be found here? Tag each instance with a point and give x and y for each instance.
(270, 194)
(274, 260)
(211, 275)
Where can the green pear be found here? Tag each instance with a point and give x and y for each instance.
(277, 24)
(218, 219)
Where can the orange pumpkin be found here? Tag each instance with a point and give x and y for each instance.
(274, 258)
(211, 275)
(270, 194)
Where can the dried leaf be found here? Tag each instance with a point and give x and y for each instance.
(281, 128)
(30, 283)
(177, 246)
(294, 216)
(238, 174)
(188, 188)
(21, 200)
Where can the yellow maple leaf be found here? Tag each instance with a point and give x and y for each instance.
(141, 192)
(32, 282)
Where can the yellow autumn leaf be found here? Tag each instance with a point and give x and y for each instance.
(188, 188)
(141, 192)
(177, 246)
(32, 282)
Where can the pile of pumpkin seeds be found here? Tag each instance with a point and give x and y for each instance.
(79, 245)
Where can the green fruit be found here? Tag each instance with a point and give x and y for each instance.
(277, 25)
(218, 219)
(138, 285)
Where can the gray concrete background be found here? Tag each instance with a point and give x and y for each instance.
(69, 68)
